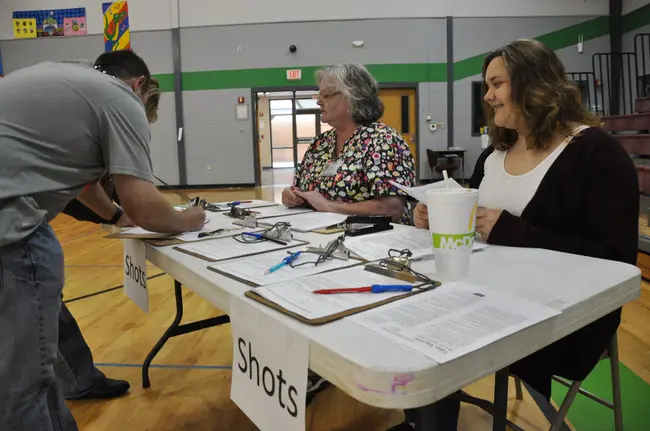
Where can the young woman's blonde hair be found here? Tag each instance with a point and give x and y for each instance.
(151, 106)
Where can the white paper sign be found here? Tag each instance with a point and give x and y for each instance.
(135, 272)
(269, 370)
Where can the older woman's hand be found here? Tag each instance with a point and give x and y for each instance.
(316, 200)
(290, 199)
(421, 216)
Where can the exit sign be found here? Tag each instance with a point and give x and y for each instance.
(294, 74)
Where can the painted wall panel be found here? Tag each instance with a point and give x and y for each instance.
(219, 147)
(318, 43)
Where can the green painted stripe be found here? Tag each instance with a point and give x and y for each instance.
(586, 414)
(556, 40)
(394, 73)
(166, 82)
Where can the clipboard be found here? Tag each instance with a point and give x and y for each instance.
(296, 243)
(337, 316)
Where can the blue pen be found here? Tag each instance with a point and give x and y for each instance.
(260, 236)
(286, 261)
(375, 288)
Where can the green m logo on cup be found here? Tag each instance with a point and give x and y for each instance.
(453, 241)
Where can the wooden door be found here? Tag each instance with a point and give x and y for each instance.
(399, 113)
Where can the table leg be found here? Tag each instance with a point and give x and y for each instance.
(500, 416)
(177, 329)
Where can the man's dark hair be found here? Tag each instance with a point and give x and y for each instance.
(124, 64)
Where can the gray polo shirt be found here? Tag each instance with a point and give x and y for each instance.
(63, 125)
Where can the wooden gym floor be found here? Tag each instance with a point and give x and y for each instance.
(190, 377)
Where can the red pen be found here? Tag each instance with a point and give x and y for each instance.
(375, 288)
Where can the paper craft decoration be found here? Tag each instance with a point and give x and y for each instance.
(116, 26)
(25, 28)
(49, 23)
(74, 26)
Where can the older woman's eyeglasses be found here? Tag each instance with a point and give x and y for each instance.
(326, 96)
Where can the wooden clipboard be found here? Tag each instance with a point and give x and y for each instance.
(337, 316)
(298, 243)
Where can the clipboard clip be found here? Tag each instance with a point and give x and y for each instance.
(398, 265)
(198, 201)
(363, 225)
(279, 231)
(334, 249)
(248, 221)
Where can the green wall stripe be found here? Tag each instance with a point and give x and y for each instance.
(393, 73)
(166, 82)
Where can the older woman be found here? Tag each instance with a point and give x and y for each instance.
(553, 180)
(347, 169)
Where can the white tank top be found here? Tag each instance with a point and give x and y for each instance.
(512, 193)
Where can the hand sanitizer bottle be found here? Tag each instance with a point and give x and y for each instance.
(485, 139)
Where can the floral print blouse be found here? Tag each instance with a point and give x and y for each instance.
(372, 156)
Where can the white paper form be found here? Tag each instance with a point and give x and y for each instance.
(419, 193)
(280, 210)
(376, 246)
(252, 269)
(138, 231)
(453, 319)
(229, 248)
(214, 222)
(307, 222)
(297, 295)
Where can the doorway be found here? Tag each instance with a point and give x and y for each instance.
(287, 123)
(288, 120)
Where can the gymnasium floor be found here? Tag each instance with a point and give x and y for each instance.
(190, 378)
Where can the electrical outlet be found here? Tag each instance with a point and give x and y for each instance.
(239, 48)
(208, 167)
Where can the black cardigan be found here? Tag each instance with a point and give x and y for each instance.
(586, 204)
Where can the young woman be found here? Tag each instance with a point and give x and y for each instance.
(553, 180)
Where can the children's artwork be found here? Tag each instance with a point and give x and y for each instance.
(74, 26)
(116, 26)
(24, 28)
(49, 23)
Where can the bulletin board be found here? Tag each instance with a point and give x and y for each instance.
(49, 23)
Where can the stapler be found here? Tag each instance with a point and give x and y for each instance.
(362, 225)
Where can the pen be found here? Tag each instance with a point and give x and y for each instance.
(214, 232)
(260, 236)
(238, 203)
(375, 288)
(286, 261)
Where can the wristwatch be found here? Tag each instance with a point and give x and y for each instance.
(117, 216)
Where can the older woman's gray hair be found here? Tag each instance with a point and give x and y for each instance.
(360, 89)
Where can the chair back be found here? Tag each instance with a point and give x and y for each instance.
(432, 158)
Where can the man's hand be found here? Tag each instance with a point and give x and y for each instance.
(195, 218)
(125, 221)
(421, 216)
(290, 199)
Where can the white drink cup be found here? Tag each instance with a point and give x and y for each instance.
(452, 223)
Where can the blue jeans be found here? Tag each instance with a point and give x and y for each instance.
(31, 282)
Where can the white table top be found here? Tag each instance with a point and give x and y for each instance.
(365, 364)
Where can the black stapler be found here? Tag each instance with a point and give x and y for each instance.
(362, 225)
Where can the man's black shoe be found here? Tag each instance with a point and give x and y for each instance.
(107, 388)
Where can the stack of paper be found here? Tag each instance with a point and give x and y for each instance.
(377, 245)
(253, 269)
(453, 319)
(297, 295)
(419, 193)
(308, 221)
(229, 248)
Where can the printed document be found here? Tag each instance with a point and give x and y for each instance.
(297, 295)
(452, 320)
(376, 246)
(229, 248)
(308, 221)
(419, 193)
(280, 210)
(253, 269)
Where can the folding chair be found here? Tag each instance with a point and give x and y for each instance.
(574, 389)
